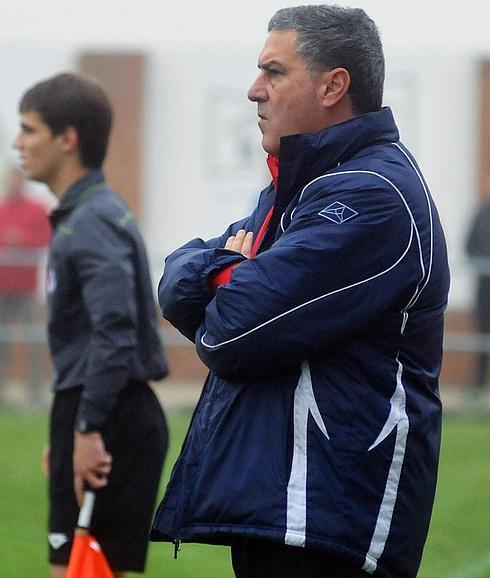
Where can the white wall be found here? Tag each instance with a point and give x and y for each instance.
(188, 23)
(204, 164)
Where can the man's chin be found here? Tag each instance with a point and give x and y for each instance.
(270, 148)
(32, 176)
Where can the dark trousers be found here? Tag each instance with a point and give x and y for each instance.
(252, 558)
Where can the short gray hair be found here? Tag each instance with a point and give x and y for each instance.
(331, 37)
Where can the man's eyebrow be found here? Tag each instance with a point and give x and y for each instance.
(269, 64)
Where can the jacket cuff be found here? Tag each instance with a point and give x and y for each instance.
(83, 426)
(98, 400)
(90, 417)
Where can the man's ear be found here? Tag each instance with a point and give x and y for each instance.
(69, 139)
(335, 86)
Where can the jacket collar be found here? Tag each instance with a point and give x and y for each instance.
(341, 141)
(304, 157)
(77, 193)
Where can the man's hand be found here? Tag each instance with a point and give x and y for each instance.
(91, 463)
(241, 243)
(46, 460)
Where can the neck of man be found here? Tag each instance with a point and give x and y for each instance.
(65, 177)
(341, 112)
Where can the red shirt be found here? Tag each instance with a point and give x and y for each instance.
(24, 229)
(223, 277)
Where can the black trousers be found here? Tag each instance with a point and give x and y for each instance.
(252, 558)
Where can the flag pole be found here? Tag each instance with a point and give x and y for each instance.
(85, 514)
(86, 557)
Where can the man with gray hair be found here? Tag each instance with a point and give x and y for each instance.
(313, 450)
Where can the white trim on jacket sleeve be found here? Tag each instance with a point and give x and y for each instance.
(431, 222)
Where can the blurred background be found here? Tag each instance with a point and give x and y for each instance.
(186, 155)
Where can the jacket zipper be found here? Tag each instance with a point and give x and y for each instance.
(177, 546)
(177, 542)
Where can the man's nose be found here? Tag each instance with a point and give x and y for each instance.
(257, 92)
(16, 142)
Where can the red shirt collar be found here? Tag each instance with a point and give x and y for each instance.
(273, 164)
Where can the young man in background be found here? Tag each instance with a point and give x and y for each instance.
(107, 428)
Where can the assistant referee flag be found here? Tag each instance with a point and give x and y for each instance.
(86, 558)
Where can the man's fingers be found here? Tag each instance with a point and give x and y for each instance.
(229, 242)
(46, 460)
(104, 469)
(247, 244)
(96, 480)
(96, 477)
(236, 241)
(241, 242)
(78, 486)
(107, 460)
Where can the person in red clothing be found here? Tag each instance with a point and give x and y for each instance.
(24, 232)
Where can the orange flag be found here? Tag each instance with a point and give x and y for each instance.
(86, 557)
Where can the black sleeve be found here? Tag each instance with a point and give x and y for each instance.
(105, 267)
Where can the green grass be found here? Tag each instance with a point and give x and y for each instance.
(458, 545)
(459, 538)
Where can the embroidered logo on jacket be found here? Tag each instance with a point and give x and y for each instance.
(338, 213)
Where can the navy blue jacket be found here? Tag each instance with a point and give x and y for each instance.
(102, 325)
(319, 424)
